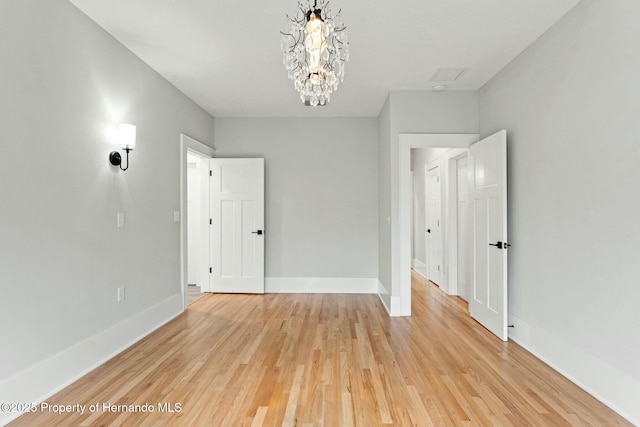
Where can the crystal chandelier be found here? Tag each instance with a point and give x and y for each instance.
(315, 49)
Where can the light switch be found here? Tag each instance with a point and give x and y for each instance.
(176, 216)
(120, 220)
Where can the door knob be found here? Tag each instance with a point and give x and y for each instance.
(259, 232)
(497, 245)
(429, 230)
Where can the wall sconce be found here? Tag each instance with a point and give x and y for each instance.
(127, 140)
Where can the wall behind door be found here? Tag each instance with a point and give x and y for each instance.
(321, 185)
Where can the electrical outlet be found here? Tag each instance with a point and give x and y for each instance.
(120, 220)
(121, 293)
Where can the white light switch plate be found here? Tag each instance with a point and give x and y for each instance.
(120, 220)
(176, 216)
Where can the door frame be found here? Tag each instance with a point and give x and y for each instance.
(187, 144)
(401, 234)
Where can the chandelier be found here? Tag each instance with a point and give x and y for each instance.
(315, 49)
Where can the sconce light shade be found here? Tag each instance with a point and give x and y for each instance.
(127, 140)
(127, 136)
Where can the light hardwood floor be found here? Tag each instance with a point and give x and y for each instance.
(328, 360)
(194, 293)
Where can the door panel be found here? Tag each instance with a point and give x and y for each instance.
(488, 197)
(433, 225)
(249, 240)
(237, 206)
(226, 237)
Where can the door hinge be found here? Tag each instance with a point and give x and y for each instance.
(210, 270)
(210, 221)
(210, 173)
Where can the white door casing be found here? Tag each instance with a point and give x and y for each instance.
(433, 229)
(237, 229)
(464, 237)
(488, 215)
(192, 216)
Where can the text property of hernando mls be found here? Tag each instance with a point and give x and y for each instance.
(106, 407)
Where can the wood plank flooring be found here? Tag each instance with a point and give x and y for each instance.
(326, 360)
(194, 293)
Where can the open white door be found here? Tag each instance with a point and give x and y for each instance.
(488, 198)
(237, 226)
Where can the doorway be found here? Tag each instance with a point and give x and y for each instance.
(401, 233)
(197, 225)
(189, 147)
(436, 187)
(488, 224)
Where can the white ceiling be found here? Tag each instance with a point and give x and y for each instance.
(225, 55)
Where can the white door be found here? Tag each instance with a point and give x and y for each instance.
(432, 223)
(488, 198)
(464, 237)
(237, 229)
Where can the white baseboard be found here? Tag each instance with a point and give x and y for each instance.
(612, 387)
(390, 302)
(320, 285)
(43, 380)
(420, 267)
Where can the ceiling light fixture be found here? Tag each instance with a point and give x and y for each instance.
(315, 49)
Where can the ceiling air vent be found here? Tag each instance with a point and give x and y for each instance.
(447, 74)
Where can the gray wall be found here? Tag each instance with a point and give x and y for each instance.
(570, 104)
(321, 184)
(65, 85)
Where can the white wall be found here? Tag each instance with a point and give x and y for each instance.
(66, 84)
(321, 193)
(570, 104)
